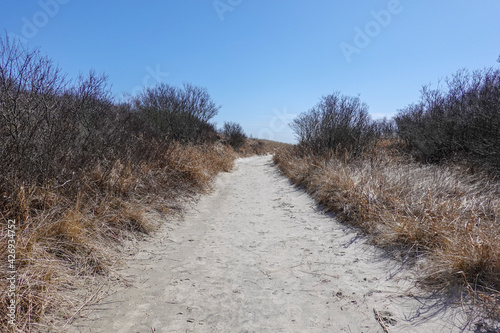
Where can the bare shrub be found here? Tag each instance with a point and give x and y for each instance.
(385, 128)
(50, 128)
(338, 123)
(462, 119)
(29, 109)
(234, 134)
(179, 114)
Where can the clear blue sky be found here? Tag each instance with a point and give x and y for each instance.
(265, 60)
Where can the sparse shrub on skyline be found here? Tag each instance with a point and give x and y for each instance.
(337, 123)
(234, 135)
(181, 114)
(385, 128)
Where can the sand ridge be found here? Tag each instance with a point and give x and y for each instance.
(257, 255)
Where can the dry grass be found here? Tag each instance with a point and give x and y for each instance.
(444, 215)
(67, 232)
(261, 147)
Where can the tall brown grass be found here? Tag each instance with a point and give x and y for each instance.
(67, 232)
(445, 215)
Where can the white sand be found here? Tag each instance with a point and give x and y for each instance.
(257, 256)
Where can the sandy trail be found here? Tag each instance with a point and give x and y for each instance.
(256, 255)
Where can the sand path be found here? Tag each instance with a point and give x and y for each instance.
(256, 255)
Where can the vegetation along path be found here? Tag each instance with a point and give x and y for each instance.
(257, 255)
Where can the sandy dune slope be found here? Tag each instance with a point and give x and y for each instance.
(256, 255)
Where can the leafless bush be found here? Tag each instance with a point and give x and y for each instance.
(461, 119)
(50, 128)
(179, 114)
(29, 109)
(337, 122)
(234, 134)
(385, 128)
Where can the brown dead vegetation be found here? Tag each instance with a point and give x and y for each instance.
(80, 173)
(441, 214)
(66, 236)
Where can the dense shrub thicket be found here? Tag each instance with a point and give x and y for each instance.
(179, 114)
(461, 119)
(337, 122)
(52, 129)
(79, 173)
(234, 135)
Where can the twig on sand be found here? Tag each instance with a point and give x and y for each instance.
(380, 320)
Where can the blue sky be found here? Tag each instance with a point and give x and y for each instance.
(265, 61)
